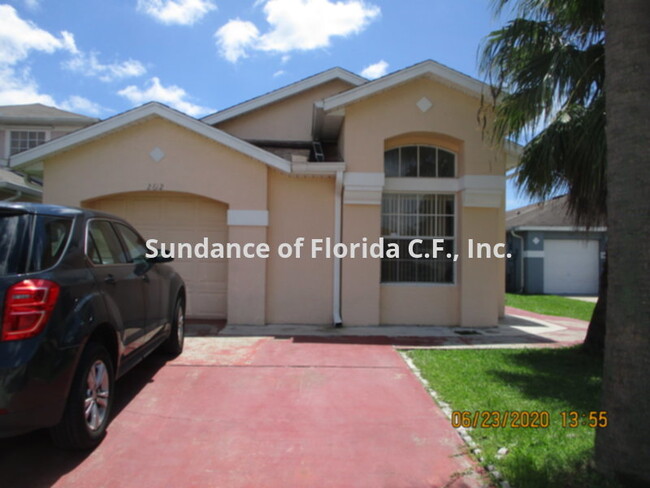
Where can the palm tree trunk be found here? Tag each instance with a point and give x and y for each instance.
(623, 448)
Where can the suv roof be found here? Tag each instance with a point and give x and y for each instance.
(55, 210)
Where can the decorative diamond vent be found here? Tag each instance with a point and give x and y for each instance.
(424, 104)
(157, 154)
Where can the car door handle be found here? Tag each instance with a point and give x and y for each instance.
(110, 279)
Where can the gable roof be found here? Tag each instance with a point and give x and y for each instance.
(285, 92)
(550, 215)
(37, 113)
(436, 71)
(35, 155)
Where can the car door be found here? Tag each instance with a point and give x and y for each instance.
(156, 287)
(118, 281)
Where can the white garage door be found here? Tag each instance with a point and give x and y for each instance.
(571, 267)
(178, 217)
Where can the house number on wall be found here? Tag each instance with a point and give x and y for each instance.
(155, 187)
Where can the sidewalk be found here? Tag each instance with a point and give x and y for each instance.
(519, 328)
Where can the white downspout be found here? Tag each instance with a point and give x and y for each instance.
(521, 260)
(338, 221)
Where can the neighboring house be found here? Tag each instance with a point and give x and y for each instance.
(334, 155)
(23, 127)
(550, 255)
(16, 187)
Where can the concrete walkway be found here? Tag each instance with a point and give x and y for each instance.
(519, 328)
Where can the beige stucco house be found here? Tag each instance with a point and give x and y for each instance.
(333, 156)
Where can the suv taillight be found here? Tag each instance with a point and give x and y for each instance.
(28, 307)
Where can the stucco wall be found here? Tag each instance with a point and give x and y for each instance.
(299, 290)
(391, 119)
(120, 162)
(287, 120)
(395, 112)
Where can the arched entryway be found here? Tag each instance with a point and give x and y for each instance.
(180, 217)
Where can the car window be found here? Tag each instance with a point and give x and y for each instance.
(50, 238)
(14, 244)
(135, 246)
(102, 246)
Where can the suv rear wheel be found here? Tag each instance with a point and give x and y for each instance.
(88, 410)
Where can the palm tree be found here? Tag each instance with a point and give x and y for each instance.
(623, 448)
(547, 67)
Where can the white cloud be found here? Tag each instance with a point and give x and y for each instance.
(297, 25)
(309, 24)
(181, 12)
(89, 65)
(79, 104)
(18, 37)
(235, 37)
(279, 73)
(376, 70)
(20, 88)
(172, 95)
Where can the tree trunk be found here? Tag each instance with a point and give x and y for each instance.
(595, 340)
(623, 448)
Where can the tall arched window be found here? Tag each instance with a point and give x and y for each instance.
(408, 215)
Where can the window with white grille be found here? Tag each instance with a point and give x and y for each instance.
(21, 140)
(426, 216)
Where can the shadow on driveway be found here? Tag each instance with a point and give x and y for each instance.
(32, 461)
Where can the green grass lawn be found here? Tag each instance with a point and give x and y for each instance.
(549, 380)
(552, 305)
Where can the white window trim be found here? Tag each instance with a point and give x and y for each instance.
(9, 130)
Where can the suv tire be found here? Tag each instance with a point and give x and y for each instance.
(174, 343)
(86, 416)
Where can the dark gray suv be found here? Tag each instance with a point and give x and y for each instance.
(80, 305)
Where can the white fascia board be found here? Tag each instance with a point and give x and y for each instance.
(549, 228)
(363, 188)
(437, 71)
(323, 169)
(285, 92)
(36, 154)
(368, 180)
(484, 183)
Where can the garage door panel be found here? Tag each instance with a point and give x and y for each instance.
(571, 266)
(171, 217)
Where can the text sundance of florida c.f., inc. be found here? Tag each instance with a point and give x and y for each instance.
(382, 248)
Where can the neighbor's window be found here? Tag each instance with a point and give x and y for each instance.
(419, 161)
(407, 216)
(21, 140)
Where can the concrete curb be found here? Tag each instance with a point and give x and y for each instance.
(463, 432)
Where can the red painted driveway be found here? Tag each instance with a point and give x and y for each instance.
(251, 412)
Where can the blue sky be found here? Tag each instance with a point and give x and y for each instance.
(101, 57)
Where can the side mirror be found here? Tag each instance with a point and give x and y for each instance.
(159, 259)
